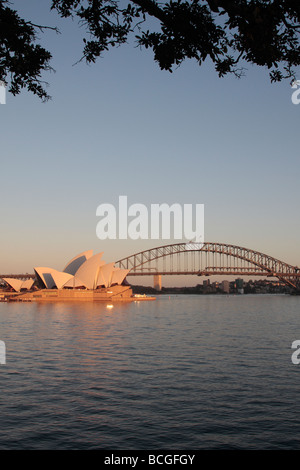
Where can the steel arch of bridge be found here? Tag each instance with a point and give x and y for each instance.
(209, 259)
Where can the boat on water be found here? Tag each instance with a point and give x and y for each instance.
(143, 297)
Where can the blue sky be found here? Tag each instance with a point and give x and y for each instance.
(124, 127)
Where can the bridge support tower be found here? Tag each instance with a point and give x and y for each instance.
(157, 281)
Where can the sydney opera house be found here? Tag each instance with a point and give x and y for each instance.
(85, 277)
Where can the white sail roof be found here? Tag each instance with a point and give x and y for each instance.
(14, 283)
(60, 278)
(52, 278)
(45, 275)
(105, 275)
(89, 270)
(118, 275)
(85, 269)
(27, 284)
(74, 264)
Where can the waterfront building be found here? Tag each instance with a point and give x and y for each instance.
(225, 286)
(85, 271)
(239, 285)
(86, 277)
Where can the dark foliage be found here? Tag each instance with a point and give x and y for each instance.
(230, 33)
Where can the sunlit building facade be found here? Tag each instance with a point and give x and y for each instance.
(85, 277)
(85, 271)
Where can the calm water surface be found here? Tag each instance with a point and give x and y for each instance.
(183, 372)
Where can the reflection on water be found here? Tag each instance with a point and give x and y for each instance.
(182, 372)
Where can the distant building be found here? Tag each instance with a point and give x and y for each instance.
(225, 286)
(239, 285)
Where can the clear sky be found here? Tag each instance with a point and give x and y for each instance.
(124, 127)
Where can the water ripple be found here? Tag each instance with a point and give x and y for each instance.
(184, 372)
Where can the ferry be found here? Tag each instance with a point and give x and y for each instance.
(142, 297)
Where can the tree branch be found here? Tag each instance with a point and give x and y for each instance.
(41, 28)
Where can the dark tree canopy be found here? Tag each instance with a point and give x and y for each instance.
(228, 32)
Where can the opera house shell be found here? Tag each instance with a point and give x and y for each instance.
(86, 271)
(17, 284)
(85, 277)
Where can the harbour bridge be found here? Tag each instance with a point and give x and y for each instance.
(207, 259)
(202, 259)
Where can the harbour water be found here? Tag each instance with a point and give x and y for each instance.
(182, 372)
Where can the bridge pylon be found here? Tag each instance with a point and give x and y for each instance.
(157, 281)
